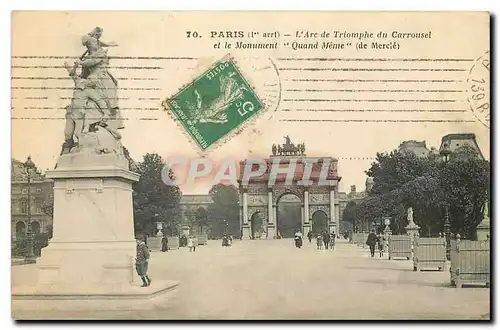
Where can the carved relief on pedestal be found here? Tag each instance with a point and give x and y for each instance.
(260, 200)
(318, 189)
(323, 198)
(257, 189)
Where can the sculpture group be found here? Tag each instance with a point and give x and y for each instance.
(289, 148)
(93, 118)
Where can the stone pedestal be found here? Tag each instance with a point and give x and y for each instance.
(483, 229)
(332, 227)
(185, 230)
(93, 248)
(271, 231)
(306, 228)
(412, 229)
(246, 232)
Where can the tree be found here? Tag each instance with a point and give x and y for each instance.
(350, 214)
(153, 199)
(429, 186)
(223, 213)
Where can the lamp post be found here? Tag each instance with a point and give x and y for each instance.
(29, 258)
(445, 153)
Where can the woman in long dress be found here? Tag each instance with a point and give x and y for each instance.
(298, 239)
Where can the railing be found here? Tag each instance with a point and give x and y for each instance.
(399, 246)
(202, 239)
(173, 242)
(469, 262)
(429, 252)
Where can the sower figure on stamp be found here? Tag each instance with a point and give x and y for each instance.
(142, 260)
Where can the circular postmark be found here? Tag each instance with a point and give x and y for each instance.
(478, 89)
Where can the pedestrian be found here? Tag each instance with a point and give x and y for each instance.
(190, 243)
(319, 242)
(310, 236)
(371, 241)
(195, 243)
(381, 244)
(164, 244)
(332, 240)
(225, 241)
(298, 239)
(326, 239)
(141, 262)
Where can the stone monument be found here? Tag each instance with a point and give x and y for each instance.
(91, 254)
(412, 228)
(155, 242)
(483, 229)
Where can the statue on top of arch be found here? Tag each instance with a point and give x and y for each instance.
(93, 118)
(288, 148)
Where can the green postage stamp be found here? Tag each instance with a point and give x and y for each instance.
(215, 104)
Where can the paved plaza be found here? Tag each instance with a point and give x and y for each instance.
(274, 280)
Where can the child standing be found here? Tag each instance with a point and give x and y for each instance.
(319, 242)
(190, 243)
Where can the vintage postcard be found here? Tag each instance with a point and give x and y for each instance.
(250, 165)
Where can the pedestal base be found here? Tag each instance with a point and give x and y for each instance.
(332, 228)
(271, 231)
(87, 262)
(246, 232)
(306, 228)
(73, 297)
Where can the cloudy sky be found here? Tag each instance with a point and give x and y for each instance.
(344, 103)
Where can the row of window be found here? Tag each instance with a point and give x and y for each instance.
(36, 208)
(24, 191)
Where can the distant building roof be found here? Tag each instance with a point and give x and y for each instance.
(419, 148)
(452, 142)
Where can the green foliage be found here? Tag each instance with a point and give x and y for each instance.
(428, 185)
(223, 213)
(154, 200)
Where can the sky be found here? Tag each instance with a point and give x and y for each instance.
(347, 104)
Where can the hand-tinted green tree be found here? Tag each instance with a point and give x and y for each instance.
(153, 200)
(429, 185)
(223, 213)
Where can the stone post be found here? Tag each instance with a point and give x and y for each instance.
(306, 225)
(245, 227)
(271, 225)
(333, 222)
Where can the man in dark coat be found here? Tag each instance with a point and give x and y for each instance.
(141, 262)
(326, 239)
(310, 236)
(164, 244)
(371, 241)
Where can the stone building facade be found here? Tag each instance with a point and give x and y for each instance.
(41, 193)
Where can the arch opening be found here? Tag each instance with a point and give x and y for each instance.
(289, 217)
